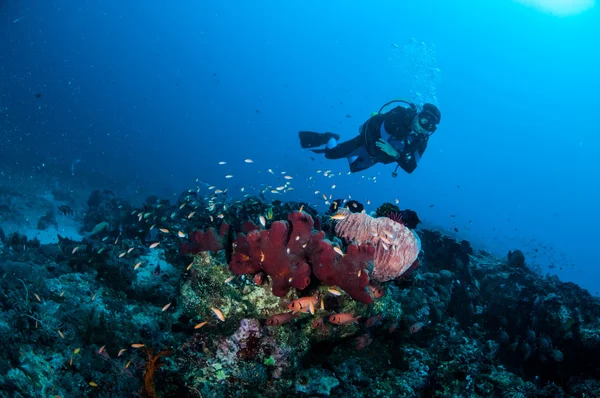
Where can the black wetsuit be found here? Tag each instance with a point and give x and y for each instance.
(394, 127)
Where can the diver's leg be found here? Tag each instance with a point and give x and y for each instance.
(310, 139)
(338, 151)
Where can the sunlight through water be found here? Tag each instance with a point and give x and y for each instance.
(560, 8)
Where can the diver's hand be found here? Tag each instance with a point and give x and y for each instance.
(387, 148)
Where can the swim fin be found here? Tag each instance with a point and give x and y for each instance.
(310, 139)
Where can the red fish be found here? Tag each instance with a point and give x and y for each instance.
(415, 327)
(318, 323)
(363, 341)
(375, 290)
(260, 279)
(280, 319)
(303, 304)
(374, 320)
(343, 319)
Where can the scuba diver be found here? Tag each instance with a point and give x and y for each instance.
(399, 135)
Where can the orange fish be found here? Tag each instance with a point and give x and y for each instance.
(136, 345)
(303, 304)
(198, 326)
(219, 314)
(343, 319)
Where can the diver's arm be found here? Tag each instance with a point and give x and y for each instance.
(409, 159)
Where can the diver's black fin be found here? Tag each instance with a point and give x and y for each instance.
(310, 139)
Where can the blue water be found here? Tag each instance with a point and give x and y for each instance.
(154, 94)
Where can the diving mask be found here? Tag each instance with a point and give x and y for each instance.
(427, 121)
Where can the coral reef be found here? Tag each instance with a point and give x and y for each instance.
(209, 298)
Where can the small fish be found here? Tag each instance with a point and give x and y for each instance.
(262, 220)
(189, 266)
(249, 161)
(137, 265)
(343, 319)
(91, 383)
(338, 216)
(301, 208)
(130, 250)
(303, 304)
(101, 349)
(152, 246)
(318, 323)
(75, 249)
(37, 297)
(166, 307)
(76, 350)
(128, 363)
(334, 292)
(280, 319)
(416, 327)
(101, 250)
(94, 297)
(262, 256)
(180, 234)
(270, 171)
(221, 163)
(339, 251)
(397, 201)
(376, 291)
(219, 314)
(311, 308)
(122, 254)
(164, 230)
(374, 320)
(70, 362)
(191, 214)
(288, 177)
(137, 345)
(229, 279)
(61, 293)
(333, 186)
(61, 334)
(198, 326)
(229, 176)
(121, 351)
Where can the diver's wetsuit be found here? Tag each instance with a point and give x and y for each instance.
(395, 127)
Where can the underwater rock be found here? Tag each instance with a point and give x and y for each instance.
(516, 258)
(315, 381)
